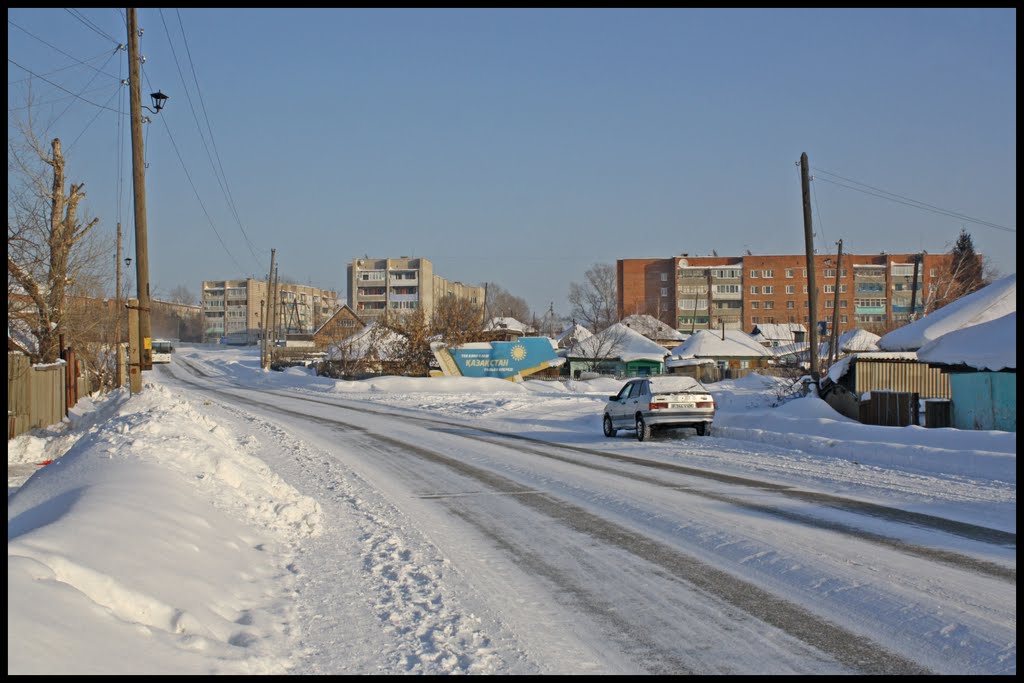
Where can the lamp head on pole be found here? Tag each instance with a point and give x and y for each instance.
(128, 261)
(158, 100)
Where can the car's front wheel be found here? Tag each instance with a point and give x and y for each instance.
(643, 430)
(609, 430)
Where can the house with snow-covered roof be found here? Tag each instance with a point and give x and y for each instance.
(734, 353)
(981, 364)
(616, 350)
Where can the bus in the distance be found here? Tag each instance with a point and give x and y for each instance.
(162, 350)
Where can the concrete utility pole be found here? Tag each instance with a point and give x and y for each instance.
(118, 372)
(266, 318)
(139, 184)
(913, 287)
(812, 292)
(833, 345)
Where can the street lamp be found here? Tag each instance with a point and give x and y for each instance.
(159, 99)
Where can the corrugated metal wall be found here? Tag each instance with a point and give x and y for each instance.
(985, 400)
(925, 381)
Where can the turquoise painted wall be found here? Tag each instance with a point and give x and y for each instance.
(984, 400)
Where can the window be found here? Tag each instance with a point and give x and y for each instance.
(664, 291)
(931, 272)
(664, 277)
(790, 289)
(768, 289)
(753, 273)
(842, 289)
(767, 273)
(769, 304)
(789, 272)
(790, 304)
(755, 304)
(805, 272)
(842, 303)
(830, 273)
(805, 289)
(830, 289)
(727, 289)
(829, 303)
(755, 320)
(754, 289)
(844, 319)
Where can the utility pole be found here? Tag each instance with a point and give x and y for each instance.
(118, 372)
(812, 293)
(833, 346)
(913, 295)
(266, 318)
(139, 184)
(274, 316)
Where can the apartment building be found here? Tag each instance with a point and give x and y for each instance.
(739, 292)
(400, 285)
(233, 309)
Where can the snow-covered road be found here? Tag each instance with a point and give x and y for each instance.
(564, 553)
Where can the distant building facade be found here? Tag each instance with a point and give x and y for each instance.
(232, 309)
(741, 292)
(401, 285)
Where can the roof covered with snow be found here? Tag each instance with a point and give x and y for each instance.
(987, 346)
(506, 323)
(365, 342)
(858, 340)
(618, 341)
(709, 344)
(572, 334)
(652, 328)
(780, 331)
(988, 303)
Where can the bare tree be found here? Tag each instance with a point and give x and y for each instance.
(182, 295)
(456, 321)
(601, 349)
(965, 273)
(594, 300)
(502, 303)
(53, 258)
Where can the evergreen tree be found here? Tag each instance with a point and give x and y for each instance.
(966, 264)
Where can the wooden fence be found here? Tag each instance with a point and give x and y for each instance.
(40, 395)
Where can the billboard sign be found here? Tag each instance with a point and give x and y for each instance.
(510, 360)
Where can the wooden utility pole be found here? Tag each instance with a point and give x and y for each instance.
(833, 345)
(118, 372)
(139, 185)
(274, 315)
(812, 292)
(266, 318)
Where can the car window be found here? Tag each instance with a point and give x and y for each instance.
(634, 389)
(624, 392)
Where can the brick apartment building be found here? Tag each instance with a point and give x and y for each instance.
(739, 292)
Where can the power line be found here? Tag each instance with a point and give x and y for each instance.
(213, 140)
(202, 137)
(54, 47)
(900, 199)
(63, 68)
(59, 86)
(198, 198)
(81, 17)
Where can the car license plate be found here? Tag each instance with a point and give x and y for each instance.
(684, 405)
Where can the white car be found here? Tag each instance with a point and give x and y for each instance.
(659, 402)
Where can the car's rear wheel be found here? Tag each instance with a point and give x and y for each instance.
(643, 430)
(702, 428)
(609, 430)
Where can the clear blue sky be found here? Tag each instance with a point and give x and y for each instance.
(522, 146)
